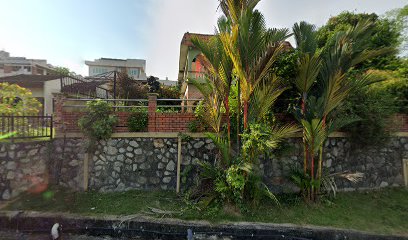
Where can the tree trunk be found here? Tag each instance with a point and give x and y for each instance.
(305, 148)
(238, 117)
(227, 112)
(319, 170)
(312, 189)
(245, 114)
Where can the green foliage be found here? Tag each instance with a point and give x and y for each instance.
(231, 184)
(128, 88)
(236, 185)
(199, 124)
(193, 125)
(137, 121)
(63, 71)
(302, 180)
(5, 136)
(98, 122)
(385, 34)
(285, 67)
(16, 100)
(394, 85)
(261, 139)
(374, 107)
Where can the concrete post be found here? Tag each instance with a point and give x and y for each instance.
(58, 116)
(152, 106)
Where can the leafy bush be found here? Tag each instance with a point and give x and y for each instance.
(199, 124)
(98, 122)
(17, 100)
(374, 107)
(137, 121)
(193, 126)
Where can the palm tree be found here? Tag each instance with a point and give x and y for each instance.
(252, 47)
(218, 67)
(328, 69)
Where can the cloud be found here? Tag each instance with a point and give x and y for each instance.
(171, 19)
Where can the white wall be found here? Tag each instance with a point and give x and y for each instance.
(50, 87)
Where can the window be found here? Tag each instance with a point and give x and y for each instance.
(133, 72)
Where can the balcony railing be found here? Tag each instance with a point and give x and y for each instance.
(197, 75)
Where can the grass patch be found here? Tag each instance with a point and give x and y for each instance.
(382, 211)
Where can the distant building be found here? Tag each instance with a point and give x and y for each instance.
(135, 68)
(10, 66)
(167, 82)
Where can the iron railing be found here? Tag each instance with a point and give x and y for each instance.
(175, 105)
(21, 127)
(84, 87)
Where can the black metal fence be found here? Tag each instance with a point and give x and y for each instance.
(83, 87)
(21, 127)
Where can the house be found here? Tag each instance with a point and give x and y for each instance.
(136, 68)
(20, 65)
(190, 66)
(41, 86)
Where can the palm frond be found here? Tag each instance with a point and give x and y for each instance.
(222, 145)
(264, 96)
(314, 134)
(305, 37)
(308, 70)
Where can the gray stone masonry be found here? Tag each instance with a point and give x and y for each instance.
(151, 163)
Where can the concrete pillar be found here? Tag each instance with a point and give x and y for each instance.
(152, 106)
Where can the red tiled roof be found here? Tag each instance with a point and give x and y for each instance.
(187, 38)
(28, 78)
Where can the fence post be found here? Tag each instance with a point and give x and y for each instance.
(12, 127)
(152, 106)
(58, 112)
(179, 159)
(51, 126)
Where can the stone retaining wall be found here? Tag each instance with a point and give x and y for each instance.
(21, 165)
(151, 163)
(381, 166)
(143, 163)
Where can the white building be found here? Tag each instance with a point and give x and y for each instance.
(10, 66)
(136, 68)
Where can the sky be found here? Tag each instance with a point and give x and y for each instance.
(68, 32)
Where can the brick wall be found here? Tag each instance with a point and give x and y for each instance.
(165, 122)
(173, 122)
(399, 122)
(67, 120)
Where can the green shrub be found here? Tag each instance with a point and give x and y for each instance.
(193, 126)
(98, 122)
(137, 121)
(374, 108)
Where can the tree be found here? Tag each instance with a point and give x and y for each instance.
(327, 74)
(154, 85)
(128, 88)
(228, 57)
(218, 67)
(400, 18)
(65, 72)
(17, 100)
(252, 47)
(384, 33)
